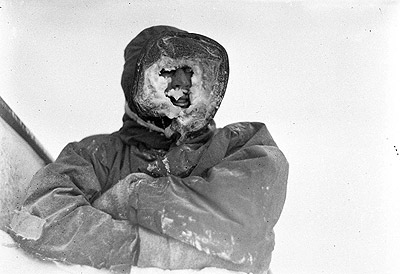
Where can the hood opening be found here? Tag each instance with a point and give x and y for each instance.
(156, 101)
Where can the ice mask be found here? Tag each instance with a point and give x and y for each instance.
(156, 101)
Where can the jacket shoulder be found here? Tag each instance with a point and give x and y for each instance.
(100, 139)
(249, 132)
(96, 146)
(245, 126)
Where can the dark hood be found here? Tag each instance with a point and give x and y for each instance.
(164, 46)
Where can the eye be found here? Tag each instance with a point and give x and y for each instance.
(187, 70)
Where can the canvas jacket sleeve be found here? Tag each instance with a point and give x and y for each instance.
(58, 221)
(222, 198)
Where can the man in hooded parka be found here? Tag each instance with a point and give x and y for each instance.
(168, 189)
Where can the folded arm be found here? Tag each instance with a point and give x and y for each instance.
(223, 213)
(57, 220)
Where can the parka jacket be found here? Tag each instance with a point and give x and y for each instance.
(220, 191)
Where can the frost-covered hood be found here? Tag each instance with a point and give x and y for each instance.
(163, 47)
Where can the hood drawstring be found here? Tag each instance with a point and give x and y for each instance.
(167, 132)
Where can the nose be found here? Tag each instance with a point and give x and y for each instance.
(182, 80)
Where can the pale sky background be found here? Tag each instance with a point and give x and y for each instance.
(324, 78)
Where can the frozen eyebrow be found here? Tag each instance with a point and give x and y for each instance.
(167, 71)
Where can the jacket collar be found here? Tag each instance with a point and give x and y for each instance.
(135, 130)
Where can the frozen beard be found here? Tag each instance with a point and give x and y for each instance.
(203, 101)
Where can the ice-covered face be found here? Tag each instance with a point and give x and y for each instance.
(179, 84)
(177, 88)
(184, 90)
